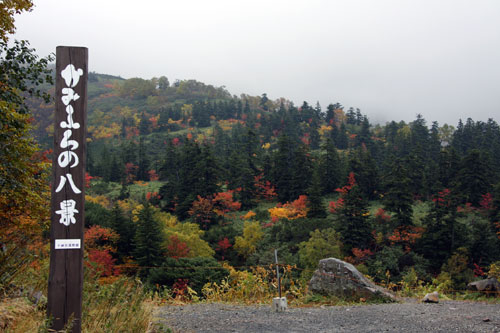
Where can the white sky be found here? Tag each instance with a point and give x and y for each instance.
(391, 58)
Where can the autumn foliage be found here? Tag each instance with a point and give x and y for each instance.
(339, 203)
(205, 211)
(100, 244)
(290, 211)
(406, 236)
(176, 248)
(264, 189)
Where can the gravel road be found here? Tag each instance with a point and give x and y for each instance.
(447, 316)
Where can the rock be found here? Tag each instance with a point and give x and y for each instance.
(490, 285)
(335, 277)
(431, 298)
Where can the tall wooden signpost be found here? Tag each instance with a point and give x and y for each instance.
(68, 176)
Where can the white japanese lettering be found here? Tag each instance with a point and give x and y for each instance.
(69, 123)
(69, 95)
(62, 182)
(65, 158)
(65, 143)
(71, 75)
(67, 212)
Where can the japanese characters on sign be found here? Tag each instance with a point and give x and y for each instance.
(68, 158)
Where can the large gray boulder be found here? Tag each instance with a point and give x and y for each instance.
(488, 286)
(335, 277)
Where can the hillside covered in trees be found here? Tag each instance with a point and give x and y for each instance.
(184, 174)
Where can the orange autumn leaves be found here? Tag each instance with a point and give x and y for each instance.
(290, 211)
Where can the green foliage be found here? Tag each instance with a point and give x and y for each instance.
(247, 243)
(292, 233)
(148, 239)
(125, 228)
(398, 197)
(392, 263)
(322, 244)
(494, 270)
(95, 214)
(190, 234)
(8, 9)
(137, 88)
(197, 272)
(21, 74)
(315, 204)
(457, 269)
(352, 222)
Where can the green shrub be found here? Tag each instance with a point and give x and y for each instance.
(197, 272)
(457, 268)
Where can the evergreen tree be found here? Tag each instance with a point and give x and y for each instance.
(207, 172)
(282, 173)
(125, 228)
(315, 200)
(365, 170)
(364, 136)
(342, 140)
(144, 124)
(352, 219)
(330, 167)
(148, 239)
(449, 164)
(398, 196)
(330, 115)
(474, 177)
(116, 170)
(443, 235)
(142, 171)
(301, 171)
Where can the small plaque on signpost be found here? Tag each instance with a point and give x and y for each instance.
(67, 244)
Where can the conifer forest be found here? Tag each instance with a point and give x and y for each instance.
(186, 172)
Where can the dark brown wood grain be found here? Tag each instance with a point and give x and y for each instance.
(66, 265)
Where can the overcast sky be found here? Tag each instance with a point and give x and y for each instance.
(392, 59)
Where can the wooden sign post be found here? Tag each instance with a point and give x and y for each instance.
(68, 198)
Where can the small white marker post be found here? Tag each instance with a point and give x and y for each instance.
(279, 303)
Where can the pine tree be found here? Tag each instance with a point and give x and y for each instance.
(301, 172)
(330, 115)
(142, 172)
(315, 200)
(352, 218)
(442, 235)
(144, 124)
(330, 167)
(365, 171)
(474, 177)
(282, 172)
(206, 172)
(398, 196)
(125, 228)
(148, 239)
(116, 170)
(342, 140)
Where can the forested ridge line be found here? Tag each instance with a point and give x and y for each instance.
(231, 178)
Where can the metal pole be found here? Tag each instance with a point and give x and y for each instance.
(277, 271)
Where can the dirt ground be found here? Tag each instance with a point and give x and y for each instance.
(446, 316)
